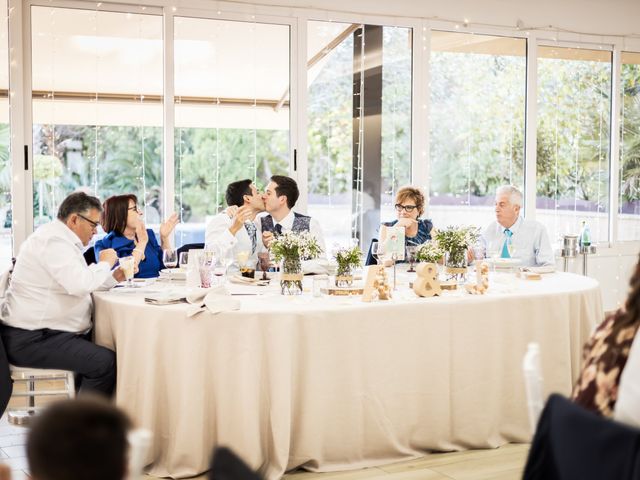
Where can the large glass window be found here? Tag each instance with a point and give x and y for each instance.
(478, 85)
(574, 110)
(231, 110)
(359, 135)
(5, 157)
(97, 107)
(629, 193)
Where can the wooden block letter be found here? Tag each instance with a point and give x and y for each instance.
(426, 283)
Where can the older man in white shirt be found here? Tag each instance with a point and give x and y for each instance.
(47, 311)
(236, 228)
(513, 236)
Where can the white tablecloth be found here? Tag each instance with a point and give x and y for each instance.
(334, 383)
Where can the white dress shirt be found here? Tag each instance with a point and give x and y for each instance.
(318, 265)
(627, 408)
(51, 283)
(529, 239)
(218, 236)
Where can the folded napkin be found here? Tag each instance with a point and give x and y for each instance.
(215, 300)
(165, 298)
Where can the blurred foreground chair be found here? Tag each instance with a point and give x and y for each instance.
(226, 465)
(572, 443)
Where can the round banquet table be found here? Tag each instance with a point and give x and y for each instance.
(333, 383)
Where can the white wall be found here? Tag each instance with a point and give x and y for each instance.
(599, 17)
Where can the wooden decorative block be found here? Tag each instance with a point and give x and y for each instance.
(426, 283)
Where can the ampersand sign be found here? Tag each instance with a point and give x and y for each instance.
(427, 283)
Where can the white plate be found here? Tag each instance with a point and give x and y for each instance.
(504, 262)
(173, 273)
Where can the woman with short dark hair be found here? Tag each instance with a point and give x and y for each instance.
(409, 208)
(127, 235)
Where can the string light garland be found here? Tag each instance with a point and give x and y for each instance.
(464, 22)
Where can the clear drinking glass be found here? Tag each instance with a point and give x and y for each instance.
(411, 256)
(183, 261)
(127, 264)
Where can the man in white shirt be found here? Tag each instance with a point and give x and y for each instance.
(280, 197)
(513, 236)
(47, 311)
(236, 228)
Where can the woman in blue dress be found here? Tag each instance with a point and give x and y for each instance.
(409, 208)
(127, 235)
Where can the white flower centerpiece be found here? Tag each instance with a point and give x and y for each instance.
(289, 249)
(455, 241)
(347, 259)
(429, 252)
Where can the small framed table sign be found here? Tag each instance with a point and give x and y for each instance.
(392, 239)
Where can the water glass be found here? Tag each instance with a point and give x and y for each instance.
(206, 275)
(127, 264)
(183, 261)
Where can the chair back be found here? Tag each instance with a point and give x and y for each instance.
(572, 442)
(533, 382)
(90, 256)
(190, 246)
(139, 444)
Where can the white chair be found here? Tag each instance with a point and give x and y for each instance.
(532, 370)
(139, 444)
(21, 415)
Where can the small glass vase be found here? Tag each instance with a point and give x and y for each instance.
(455, 265)
(291, 276)
(344, 276)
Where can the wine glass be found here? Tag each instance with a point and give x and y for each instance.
(170, 258)
(411, 256)
(183, 260)
(265, 260)
(377, 251)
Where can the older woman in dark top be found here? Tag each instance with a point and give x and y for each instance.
(409, 208)
(127, 235)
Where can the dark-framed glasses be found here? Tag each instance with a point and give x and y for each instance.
(135, 207)
(406, 208)
(94, 225)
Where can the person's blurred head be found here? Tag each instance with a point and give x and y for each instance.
(281, 194)
(244, 192)
(508, 205)
(120, 212)
(81, 439)
(409, 203)
(81, 213)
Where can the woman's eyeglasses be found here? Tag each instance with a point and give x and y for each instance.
(406, 208)
(135, 207)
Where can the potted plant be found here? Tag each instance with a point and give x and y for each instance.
(347, 259)
(455, 241)
(289, 249)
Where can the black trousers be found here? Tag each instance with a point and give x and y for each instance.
(95, 366)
